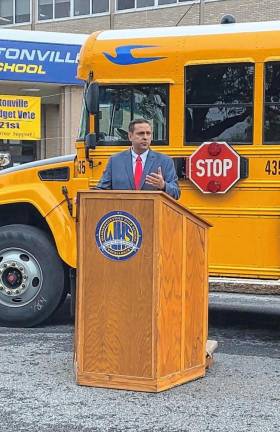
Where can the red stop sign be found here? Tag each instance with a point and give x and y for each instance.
(214, 167)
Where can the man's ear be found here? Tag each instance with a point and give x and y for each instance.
(129, 136)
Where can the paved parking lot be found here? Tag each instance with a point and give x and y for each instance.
(38, 392)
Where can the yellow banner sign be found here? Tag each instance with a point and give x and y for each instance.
(20, 117)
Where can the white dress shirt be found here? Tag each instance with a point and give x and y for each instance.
(134, 157)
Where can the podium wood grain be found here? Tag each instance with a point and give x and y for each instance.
(141, 324)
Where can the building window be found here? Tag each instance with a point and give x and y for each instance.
(6, 12)
(55, 9)
(45, 9)
(100, 6)
(62, 8)
(144, 3)
(164, 2)
(219, 103)
(135, 4)
(81, 7)
(125, 4)
(13, 12)
(22, 11)
(19, 151)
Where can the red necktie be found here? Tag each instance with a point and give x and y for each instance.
(138, 172)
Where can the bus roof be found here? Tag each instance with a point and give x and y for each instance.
(141, 33)
(197, 30)
(41, 36)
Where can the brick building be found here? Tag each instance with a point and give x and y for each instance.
(86, 16)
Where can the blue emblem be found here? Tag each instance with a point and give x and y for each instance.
(124, 57)
(118, 235)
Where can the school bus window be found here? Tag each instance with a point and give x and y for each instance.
(219, 103)
(120, 104)
(272, 103)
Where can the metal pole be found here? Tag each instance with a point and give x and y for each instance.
(112, 14)
(33, 14)
(201, 11)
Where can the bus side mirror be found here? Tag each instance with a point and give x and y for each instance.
(92, 98)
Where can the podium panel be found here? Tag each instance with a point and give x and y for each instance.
(141, 310)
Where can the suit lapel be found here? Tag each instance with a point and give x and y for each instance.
(148, 165)
(128, 167)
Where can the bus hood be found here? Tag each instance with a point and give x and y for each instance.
(35, 164)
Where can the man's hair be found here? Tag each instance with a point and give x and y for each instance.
(137, 121)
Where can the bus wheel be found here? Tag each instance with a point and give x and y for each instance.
(31, 276)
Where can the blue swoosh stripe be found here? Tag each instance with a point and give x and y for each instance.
(124, 57)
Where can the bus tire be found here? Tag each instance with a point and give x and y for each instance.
(31, 276)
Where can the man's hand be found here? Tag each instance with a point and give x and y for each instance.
(156, 180)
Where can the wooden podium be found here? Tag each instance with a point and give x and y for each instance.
(142, 291)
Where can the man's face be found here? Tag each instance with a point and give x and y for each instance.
(141, 137)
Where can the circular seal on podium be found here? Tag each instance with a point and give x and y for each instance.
(118, 235)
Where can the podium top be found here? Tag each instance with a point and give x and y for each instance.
(138, 194)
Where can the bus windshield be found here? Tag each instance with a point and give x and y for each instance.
(84, 123)
(119, 105)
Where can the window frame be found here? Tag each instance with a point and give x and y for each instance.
(125, 143)
(252, 105)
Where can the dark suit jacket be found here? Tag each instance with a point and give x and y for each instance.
(119, 173)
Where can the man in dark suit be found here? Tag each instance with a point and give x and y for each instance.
(140, 168)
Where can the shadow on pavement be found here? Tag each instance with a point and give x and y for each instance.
(226, 317)
(244, 319)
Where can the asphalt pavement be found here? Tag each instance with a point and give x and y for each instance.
(240, 392)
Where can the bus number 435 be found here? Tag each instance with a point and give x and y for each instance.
(273, 167)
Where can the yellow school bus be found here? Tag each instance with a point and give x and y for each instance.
(203, 87)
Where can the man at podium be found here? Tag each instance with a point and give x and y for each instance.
(140, 168)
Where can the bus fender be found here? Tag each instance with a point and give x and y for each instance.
(63, 228)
